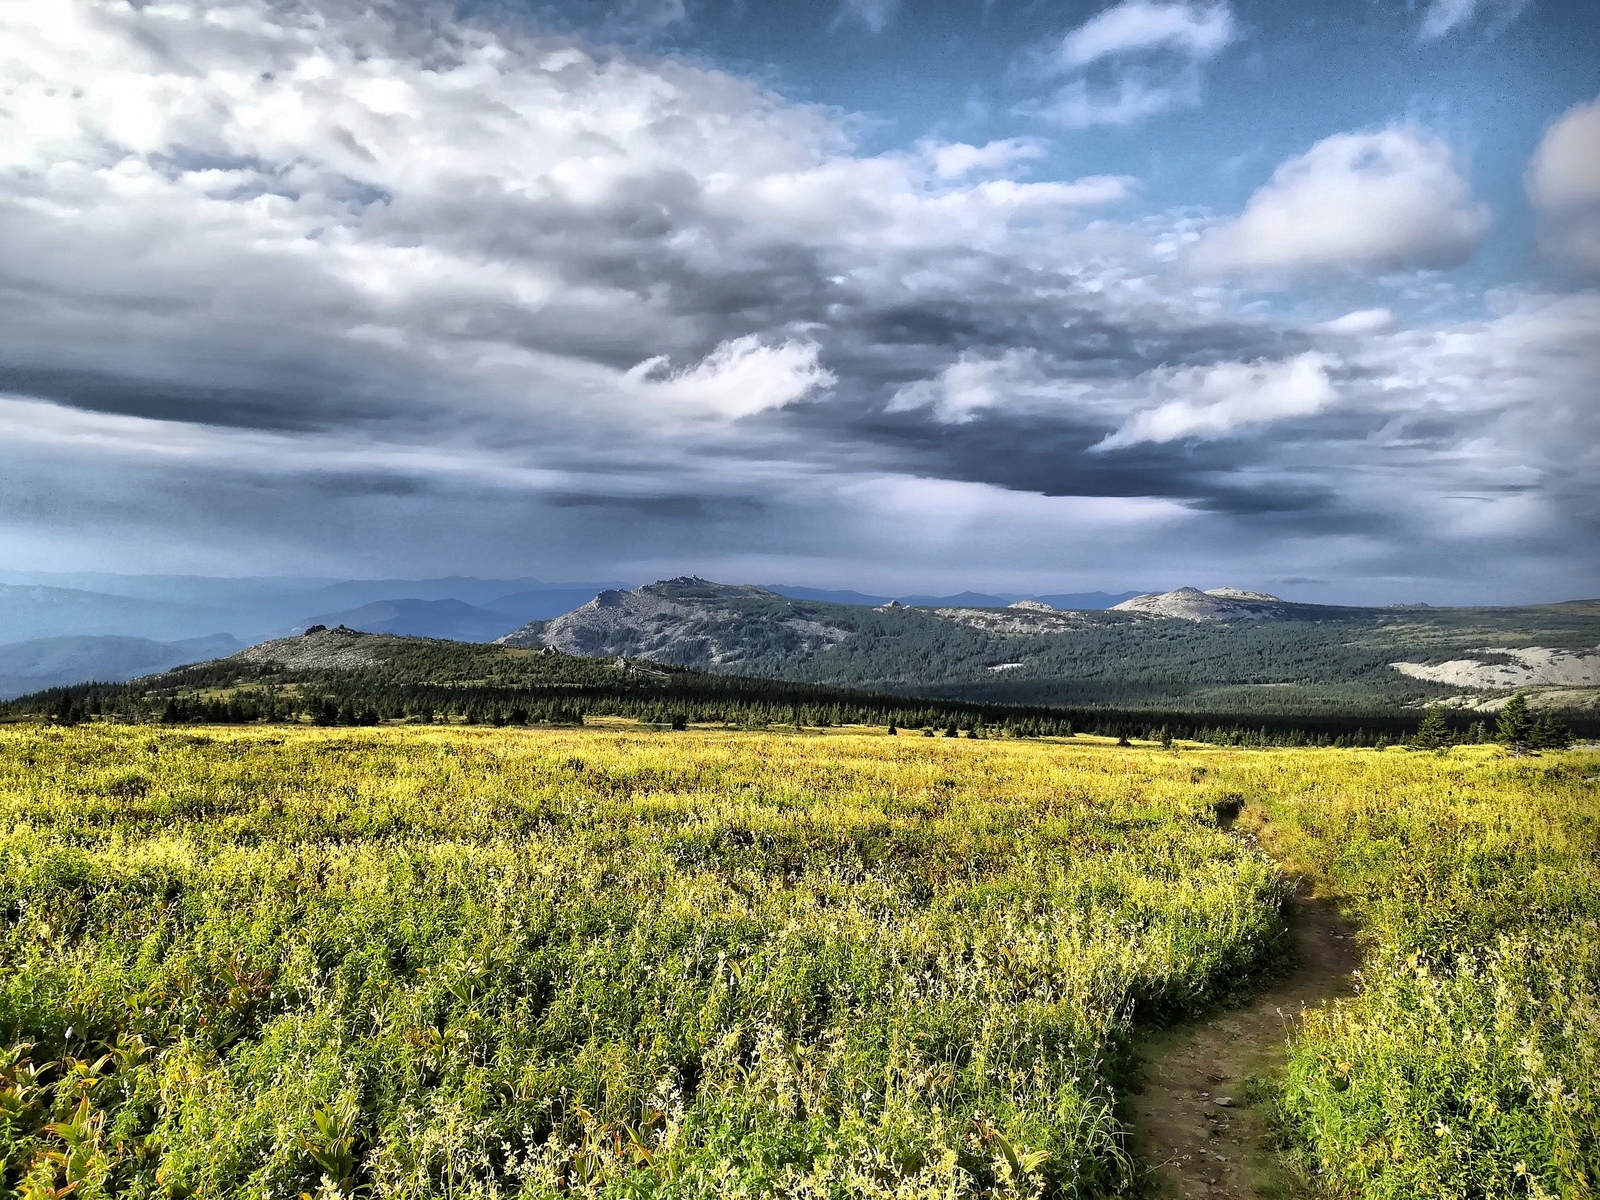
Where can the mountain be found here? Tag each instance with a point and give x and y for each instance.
(1218, 604)
(450, 619)
(1224, 651)
(29, 611)
(176, 607)
(543, 603)
(342, 676)
(40, 663)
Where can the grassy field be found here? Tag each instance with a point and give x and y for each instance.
(445, 962)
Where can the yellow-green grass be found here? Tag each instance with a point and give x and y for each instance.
(445, 962)
(452, 962)
(1469, 1063)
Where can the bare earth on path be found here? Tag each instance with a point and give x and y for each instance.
(1193, 1128)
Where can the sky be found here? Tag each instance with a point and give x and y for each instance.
(898, 295)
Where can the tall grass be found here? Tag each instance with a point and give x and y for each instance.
(1469, 1063)
(457, 963)
(446, 963)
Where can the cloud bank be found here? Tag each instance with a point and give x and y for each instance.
(332, 282)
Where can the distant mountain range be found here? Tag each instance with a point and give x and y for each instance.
(1225, 650)
(179, 608)
(101, 611)
(33, 665)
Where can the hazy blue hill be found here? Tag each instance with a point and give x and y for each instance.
(174, 607)
(40, 663)
(450, 619)
(30, 611)
(543, 603)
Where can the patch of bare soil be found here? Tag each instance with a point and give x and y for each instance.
(1194, 1126)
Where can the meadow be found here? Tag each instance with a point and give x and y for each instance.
(447, 962)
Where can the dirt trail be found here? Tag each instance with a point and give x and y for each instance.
(1193, 1128)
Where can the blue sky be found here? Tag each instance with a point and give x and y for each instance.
(911, 296)
(1287, 76)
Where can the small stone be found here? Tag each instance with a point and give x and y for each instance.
(1225, 1101)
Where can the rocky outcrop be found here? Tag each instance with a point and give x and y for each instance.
(685, 621)
(1529, 667)
(322, 650)
(1219, 604)
(1027, 618)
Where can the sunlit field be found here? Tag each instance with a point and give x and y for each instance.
(448, 962)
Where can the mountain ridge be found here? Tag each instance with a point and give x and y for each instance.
(1226, 648)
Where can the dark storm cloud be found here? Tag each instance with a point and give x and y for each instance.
(302, 272)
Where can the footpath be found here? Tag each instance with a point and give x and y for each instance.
(1195, 1128)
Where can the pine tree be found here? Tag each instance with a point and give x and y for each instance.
(1477, 734)
(1434, 732)
(1515, 730)
(1551, 734)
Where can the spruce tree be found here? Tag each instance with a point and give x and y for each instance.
(1515, 728)
(1551, 734)
(1434, 732)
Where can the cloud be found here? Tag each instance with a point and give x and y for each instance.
(1361, 321)
(1563, 182)
(1392, 200)
(1441, 16)
(1134, 61)
(874, 14)
(737, 379)
(1216, 401)
(971, 384)
(952, 160)
(365, 287)
(1139, 26)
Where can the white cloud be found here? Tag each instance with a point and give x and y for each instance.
(1384, 201)
(501, 221)
(1361, 321)
(1564, 184)
(1135, 60)
(1441, 16)
(963, 389)
(1014, 380)
(1215, 401)
(1137, 26)
(952, 160)
(737, 379)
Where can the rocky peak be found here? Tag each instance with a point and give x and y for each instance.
(1219, 604)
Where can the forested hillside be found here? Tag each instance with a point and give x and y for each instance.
(1298, 659)
(341, 677)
